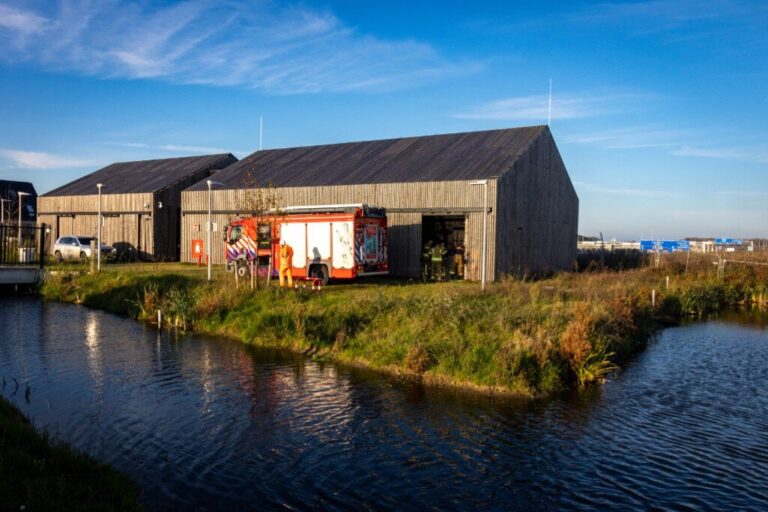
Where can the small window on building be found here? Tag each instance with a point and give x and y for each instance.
(265, 236)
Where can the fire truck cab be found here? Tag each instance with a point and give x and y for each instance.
(329, 241)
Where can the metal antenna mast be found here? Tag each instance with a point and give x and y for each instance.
(261, 131)
(549, 106)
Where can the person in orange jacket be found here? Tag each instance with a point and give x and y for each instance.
(286, 261)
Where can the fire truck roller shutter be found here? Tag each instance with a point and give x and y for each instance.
(343, 245)
(294, 234)
(318, 241)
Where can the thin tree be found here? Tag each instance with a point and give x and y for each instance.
(257, 200)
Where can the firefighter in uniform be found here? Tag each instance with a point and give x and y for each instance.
(426, 261)
(460, 260)
(438, 261)
(286, 261)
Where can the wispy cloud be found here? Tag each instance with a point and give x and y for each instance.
(634, 137)
(747, 154)
(564, 106)
(260, 45)
(682, 22)
(664, 13)
(175, 148)
(38, 160)
(631, 192)
(743, 193)
(20, 21)
(728, 217)
(677, 142)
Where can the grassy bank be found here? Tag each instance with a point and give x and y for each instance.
(527, 338)
(37, 473)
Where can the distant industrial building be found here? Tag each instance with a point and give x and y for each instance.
(670, 246)
(9, 202)
(433, 189)
(608, 245)
(140, 203)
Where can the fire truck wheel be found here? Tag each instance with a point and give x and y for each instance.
(319, 272)
(242, 268)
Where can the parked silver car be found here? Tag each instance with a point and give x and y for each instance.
(79, 248)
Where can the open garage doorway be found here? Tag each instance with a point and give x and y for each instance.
(443, 242)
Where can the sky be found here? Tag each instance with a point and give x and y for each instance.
(659, 108)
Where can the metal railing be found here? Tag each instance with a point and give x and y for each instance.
(22, 245)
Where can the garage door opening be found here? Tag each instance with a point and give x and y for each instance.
(443, 242)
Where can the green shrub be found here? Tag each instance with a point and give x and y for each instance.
(700, 299)
(595, 367)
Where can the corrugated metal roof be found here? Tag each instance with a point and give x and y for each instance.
(451, 157)
(139, 177)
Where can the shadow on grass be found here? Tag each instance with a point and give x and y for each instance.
(39, 473)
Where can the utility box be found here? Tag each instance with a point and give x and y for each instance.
(197, 251)
(27, 255)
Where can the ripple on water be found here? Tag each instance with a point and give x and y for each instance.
(213, 425)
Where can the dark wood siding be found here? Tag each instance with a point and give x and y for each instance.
(538, 213)
(167, 224)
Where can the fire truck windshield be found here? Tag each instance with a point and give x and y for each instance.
(265, 235)
(235, 234)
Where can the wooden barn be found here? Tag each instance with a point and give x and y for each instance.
(433, 189)
(140, 203)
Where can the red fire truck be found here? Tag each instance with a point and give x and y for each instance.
(329, 242)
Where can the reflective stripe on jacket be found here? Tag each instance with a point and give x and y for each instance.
(286, 256)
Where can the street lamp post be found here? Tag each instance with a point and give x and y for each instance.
(98, 236)
(21, 194)
(209, 226)
(484, 184)
(2, 215)
(2, 209)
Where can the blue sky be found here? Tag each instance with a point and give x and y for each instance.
(660, 107)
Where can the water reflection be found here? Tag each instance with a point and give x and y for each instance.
(209, 385)
(93, 344)
(212, 424)
(748, 317)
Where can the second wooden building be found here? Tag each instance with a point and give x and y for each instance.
(140, 204)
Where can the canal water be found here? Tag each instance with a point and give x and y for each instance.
(209, 424)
